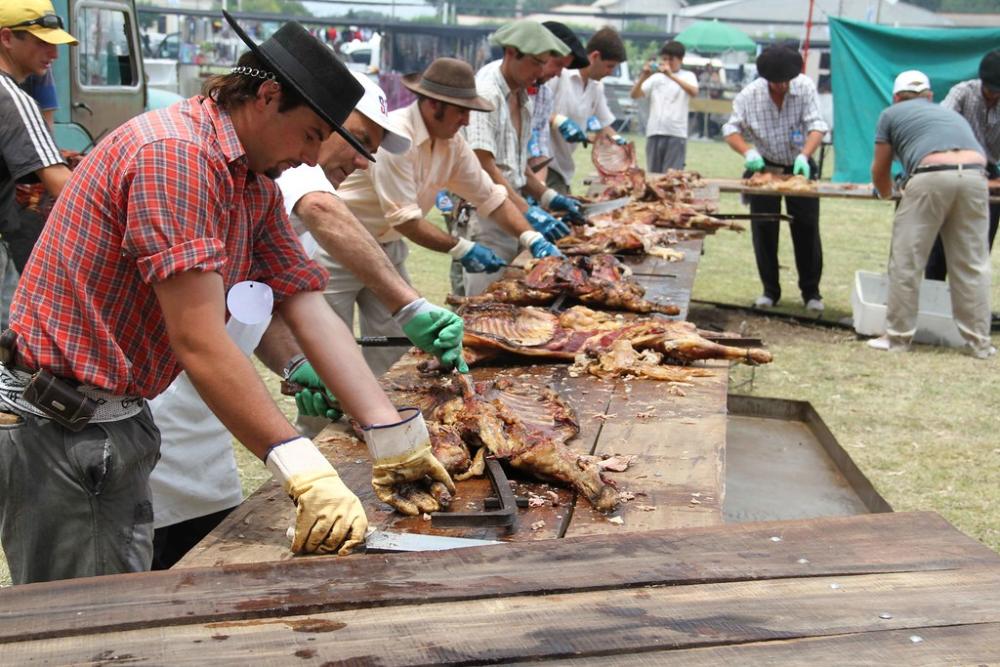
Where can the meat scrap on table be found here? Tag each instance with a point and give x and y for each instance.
(780, 182)
(596, 280)
(468, 421)
(599, 343)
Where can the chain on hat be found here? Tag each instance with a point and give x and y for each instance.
(253, 72)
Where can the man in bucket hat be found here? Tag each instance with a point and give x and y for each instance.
(392, 198)
(128, 286)
(30, 33)
(500, 139)
(978, 101)
(945, 192)
(779, 113)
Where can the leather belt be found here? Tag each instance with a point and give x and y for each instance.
(949, 167)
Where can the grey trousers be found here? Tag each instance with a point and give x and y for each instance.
(345, 291)
(555, 180)
(953, 204)
(665, 152)
(77, 504)
(490, 234)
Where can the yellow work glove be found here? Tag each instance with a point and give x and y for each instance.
(329, 518)
(405, 473)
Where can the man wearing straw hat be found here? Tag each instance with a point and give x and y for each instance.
(393, 197)
(500, 139)
(128, 286)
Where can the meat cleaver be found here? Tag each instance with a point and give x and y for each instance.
(597, 208)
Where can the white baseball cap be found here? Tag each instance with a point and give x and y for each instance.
(911, 81)
(374, 107)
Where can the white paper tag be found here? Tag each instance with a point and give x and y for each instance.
(250, 302)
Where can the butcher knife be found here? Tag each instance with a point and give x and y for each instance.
(597, 208)
(388, 542)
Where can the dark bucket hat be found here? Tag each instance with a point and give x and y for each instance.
(989, 70)
(779, 63)
(448, 80)
(301, 61)
(567, 37)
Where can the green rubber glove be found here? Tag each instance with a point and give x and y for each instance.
(436, 331)
(315, 400)
(752, 160)
(801, 166)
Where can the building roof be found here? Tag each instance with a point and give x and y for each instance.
(900, 13)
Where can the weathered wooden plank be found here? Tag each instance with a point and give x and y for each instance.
(950, 645)
(601, 623)
(807, 548)
(255, 531)
(678, 477)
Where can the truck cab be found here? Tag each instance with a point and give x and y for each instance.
(100, 83)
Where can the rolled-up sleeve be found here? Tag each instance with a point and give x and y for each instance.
(737, 120)
(279, 259)
(395, 184)
(812, 116)
(468, 179)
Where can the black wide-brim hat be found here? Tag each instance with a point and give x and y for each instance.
(301, 61)
(778, 64)
(567, 37)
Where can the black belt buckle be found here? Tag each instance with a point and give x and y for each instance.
(59, 400)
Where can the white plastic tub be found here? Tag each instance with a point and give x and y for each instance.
(935, 325)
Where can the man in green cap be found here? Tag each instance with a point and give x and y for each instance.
(500, 140)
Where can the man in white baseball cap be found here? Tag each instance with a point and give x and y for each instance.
(196, 484)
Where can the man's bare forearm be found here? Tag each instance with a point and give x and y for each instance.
(277, 345)
(425, 234)
(346, 240)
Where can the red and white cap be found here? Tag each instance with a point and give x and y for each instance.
(373, 106)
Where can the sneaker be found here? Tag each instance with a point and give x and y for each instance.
(763, 302)
(814, 306)
(885, 344)
(980, 353)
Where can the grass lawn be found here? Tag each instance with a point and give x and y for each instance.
(920, 425)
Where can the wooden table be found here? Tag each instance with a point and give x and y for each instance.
(904, 589)
(679, 441)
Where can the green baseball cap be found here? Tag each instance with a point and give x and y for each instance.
(529, 37)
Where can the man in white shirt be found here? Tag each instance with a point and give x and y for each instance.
(670, 90)
(196, 483)
(580, 96)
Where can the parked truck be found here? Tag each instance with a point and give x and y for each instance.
(101, 82)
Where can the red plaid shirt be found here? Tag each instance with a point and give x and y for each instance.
(165, 193)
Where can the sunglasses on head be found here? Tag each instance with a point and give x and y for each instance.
(47, 21)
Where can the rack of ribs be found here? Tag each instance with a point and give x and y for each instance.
(590, 279)
(496, 329)
(525, 427)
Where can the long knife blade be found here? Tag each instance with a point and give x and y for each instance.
(381, 541)
(597, 208)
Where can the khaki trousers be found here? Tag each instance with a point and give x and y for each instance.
(344, 291)
(954, 204)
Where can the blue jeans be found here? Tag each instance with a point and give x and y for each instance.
(76, 504)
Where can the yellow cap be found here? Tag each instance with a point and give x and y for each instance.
(14, 13)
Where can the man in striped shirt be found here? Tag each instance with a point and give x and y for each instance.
(27, 46)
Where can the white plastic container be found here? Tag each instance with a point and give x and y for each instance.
(935, 325)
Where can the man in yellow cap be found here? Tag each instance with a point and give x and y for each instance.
(30, 32)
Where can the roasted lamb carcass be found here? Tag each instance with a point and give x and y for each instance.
(672, 215)
(529, 430)
(492, 330)
(619, 240)
(598, 280)
(780, 182)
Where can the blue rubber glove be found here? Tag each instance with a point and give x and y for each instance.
(542, 248)
(542, 221)
(801, 166)
(481, 259)
(570, 131)
(752, 160)
(619, 139)
(315, 400)
(435, 331)
(560, 202)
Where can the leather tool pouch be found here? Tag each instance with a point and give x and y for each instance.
(60, 401)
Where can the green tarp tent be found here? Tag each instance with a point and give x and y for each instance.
(864, 61)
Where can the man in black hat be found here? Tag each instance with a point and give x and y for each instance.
(976, 100)
(779, 114)
(128, 286)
